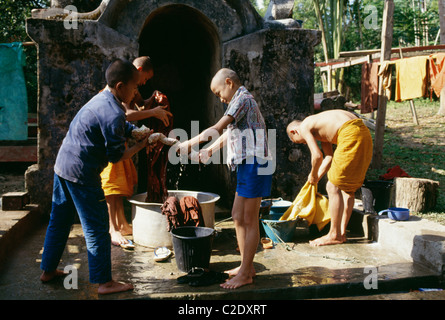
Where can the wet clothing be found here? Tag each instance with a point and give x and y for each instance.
(172, 210)
(184, 212)
(192, 211)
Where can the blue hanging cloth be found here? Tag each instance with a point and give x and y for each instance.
(13, 97)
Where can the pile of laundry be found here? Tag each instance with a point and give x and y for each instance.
(184, 212)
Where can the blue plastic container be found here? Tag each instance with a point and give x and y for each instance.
(398, 214)
(276, 230)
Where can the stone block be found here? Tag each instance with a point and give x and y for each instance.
(419, 240)
(14, 201)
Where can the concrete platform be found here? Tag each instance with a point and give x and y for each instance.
(359, 269)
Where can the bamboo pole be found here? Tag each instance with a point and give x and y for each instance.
(387, 33)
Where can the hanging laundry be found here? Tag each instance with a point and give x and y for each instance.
(192, 211)
(184, 212)
(385, 72)
(437, 72)
(411, 78)
(369, 87)
(172, 210)
(13, 96)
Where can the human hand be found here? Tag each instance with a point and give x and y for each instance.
(204, 155)
(182, 147)
(312, 179)
(160, 113)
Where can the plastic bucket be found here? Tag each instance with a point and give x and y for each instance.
(279, 230)
(192, 246)
(376, 195)
(398, 214)
(279, 207)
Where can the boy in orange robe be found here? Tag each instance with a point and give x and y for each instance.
(119, 179)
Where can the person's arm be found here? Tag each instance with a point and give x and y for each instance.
(158, 112)
(316, 154)
(326, 164)
(138, 146)
(207, 134)
(145, 111)
(206, 154)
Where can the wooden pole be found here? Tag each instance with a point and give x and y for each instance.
(387, 32)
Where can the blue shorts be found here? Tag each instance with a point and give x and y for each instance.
(249, 183)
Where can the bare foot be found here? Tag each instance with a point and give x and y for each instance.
(326, 240)
(117, 238)
(114, 287)
(238, 281)
(48, 276)
(233, 272)
(126, 231)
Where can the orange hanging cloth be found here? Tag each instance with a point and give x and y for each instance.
(411, 78)
(437, 72)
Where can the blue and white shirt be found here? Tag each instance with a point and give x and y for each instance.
(247, 136)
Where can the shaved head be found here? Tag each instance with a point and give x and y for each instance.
(144, 62)
(223, 74)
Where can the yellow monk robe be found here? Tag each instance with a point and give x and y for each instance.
(119, 178)
(309, 205)
(411, 78)
(351, 157)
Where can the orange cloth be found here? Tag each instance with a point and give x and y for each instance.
(352, 156)
(119, 178)
(437, 72)
(369, 87)
(411, 78)
(309, 205)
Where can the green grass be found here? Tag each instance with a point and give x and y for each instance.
(417, 149)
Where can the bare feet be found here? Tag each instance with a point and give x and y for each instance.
(114, 287)
(233, 272)
(48, 276)
(126, 230)
(117, 238)
(326, 240)
(238, 281)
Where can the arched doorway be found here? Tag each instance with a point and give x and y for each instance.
(185, 49)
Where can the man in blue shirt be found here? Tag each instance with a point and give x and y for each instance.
(95, 137)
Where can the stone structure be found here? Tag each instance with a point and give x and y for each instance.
(188, 41)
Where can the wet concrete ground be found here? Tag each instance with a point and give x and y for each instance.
(295, 271)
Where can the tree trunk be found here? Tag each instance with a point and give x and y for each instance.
(418, 195)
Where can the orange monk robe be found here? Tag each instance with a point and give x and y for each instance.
(411, 78)
(119, 178)
(351, 157)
